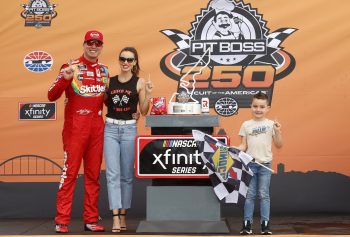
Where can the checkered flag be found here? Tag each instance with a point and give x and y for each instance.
(227, 167)
(178, 37)
(274, 40)
(277, 37)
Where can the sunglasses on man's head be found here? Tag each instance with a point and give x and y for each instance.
(129, 60)
(94, 42)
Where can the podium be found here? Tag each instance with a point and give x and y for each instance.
(182, 205)
(181, 124)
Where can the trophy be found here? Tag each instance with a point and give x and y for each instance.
(186, 104)
(183, 104)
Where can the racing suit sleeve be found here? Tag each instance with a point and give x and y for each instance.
(59, 86)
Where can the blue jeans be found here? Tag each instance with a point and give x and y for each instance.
(260, 184)
(119, 150)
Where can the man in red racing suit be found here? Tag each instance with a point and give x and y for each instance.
(84, 82)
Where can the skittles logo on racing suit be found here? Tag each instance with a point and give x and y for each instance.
(228, 55)
(89, 90)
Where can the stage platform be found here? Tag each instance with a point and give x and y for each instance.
(281, 225)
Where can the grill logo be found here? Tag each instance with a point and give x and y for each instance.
(38, 13)
(228, 53)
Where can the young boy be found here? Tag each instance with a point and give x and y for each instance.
(257, 135)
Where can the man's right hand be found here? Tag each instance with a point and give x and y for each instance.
(68, 72)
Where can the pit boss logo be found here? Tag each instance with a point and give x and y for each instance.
(228, 56)
(169, 157)
(37, 111)
(38, 13)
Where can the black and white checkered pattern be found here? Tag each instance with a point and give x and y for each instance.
(179, 38)
(274, 40)
(277, 37)
(234, 188)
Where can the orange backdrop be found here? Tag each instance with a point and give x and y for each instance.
(310, 103)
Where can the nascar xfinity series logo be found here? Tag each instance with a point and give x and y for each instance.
(172, 156)
(228, 55)
(38, 61)
(37, 111)
(38, 13)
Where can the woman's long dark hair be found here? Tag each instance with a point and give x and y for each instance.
(136, 68)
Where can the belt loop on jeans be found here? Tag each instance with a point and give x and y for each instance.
(120, 121)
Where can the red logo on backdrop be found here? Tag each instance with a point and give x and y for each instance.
(38, 61)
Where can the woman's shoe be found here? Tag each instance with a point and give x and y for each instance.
(116, 230)
(122, 227)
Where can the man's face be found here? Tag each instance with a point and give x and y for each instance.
(223, 21)
(259, 108)
(92, 49)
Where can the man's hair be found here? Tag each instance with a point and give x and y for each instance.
(222, 13)
(260, 96)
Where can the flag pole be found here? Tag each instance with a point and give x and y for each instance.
(264, 166)
(252, 159)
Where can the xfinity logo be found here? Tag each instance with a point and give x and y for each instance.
(32, 112)
(170, 156)
(176, 159)
(37, 111)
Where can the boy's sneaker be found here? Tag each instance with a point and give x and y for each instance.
(247, 228)
(265, 228)
(61, 228)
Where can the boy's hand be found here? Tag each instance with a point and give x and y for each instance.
(277, 126)
(277, 139)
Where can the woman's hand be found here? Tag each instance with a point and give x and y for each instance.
(149, 87)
